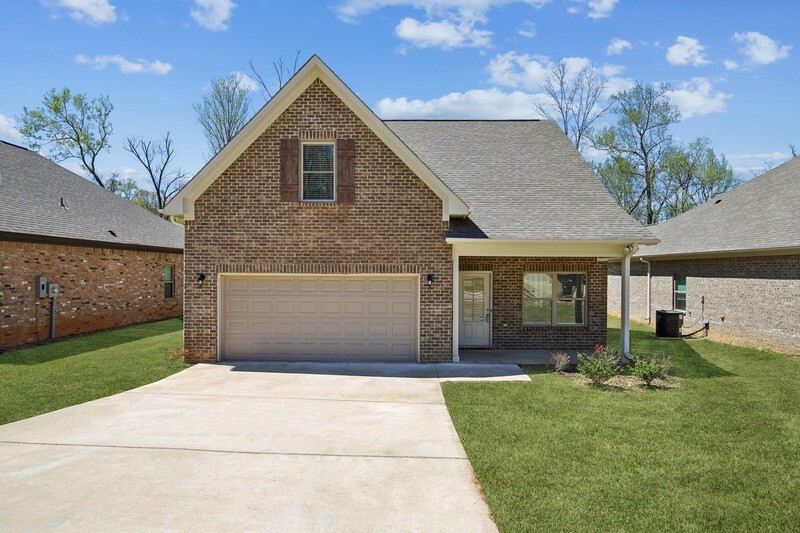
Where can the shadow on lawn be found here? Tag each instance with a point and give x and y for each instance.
(687, 362)
(64, 347)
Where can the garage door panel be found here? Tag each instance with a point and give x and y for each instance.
(319, 318)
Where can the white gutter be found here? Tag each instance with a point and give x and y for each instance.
(625, 300)
(648, 287)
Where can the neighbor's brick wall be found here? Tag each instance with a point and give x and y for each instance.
(394, 226)
(759, 297)
(508, 332)
(100, 288)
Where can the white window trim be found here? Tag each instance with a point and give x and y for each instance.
(554, 300)
(303, 144)
(675, 292)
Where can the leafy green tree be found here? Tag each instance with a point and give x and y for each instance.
(223, 111)
(696, 174)
(74, 127)
(125, 188)
(637, 145)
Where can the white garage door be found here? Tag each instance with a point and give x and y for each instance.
(309, 318)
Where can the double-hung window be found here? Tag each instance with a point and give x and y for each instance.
(318, 181)
(169, 282)
(679, 292)
(554, 298)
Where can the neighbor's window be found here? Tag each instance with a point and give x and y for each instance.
(169, 282)
(553, 298)
(318, 173)
(679, 292)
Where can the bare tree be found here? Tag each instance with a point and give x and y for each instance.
(157, 158)
(74, 126)
(223, 111)
(573, 100)
(284, 70)
(793, 149)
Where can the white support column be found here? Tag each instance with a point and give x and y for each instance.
(456, 306)
(625, 299)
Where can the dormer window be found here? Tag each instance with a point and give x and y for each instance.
(318, 183)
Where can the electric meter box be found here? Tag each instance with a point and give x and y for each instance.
(52, 290)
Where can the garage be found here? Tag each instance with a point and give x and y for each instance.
(319, 317)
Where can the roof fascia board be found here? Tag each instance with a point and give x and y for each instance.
(745, 252)
(492, 248)
(183, 202)
(84, 243)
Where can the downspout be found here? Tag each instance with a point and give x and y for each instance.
(625, 300)
(648, 287)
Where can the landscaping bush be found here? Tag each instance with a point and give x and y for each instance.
(599, 367)
(652, 367)
(559, 361)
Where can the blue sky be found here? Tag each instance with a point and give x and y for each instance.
(733, 65)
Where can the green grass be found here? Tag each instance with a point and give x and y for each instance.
(721, 452)
(67, 372)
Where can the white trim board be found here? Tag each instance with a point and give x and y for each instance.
(182, 204)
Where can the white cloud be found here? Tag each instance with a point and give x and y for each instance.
(444, 34)
(245, 81)
(599, 9)
(754, 163)
(617, 46)
(687, 51)
(697, 97)
(125, 66)
(760, 49)
(491, 103)
(448, 24)
(527, 29)
(8, 129)
(213, 14)
(92, 12)
(730, 64)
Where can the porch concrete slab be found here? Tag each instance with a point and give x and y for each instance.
(519, 357)
(480, 372)
(232, 447)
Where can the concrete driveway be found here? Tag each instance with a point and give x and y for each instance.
(289, 447)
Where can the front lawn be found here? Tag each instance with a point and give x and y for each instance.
(67, 372)
(720, 452)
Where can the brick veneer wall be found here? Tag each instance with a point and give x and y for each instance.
(759, 297)
(394, 225)
(100, 288)
(508, 332)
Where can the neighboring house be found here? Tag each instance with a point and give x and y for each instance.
(114, 262)
(323, 232)
(734, 261)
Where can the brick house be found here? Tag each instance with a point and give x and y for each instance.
(733, 261)
(324, 233)
(114, 262)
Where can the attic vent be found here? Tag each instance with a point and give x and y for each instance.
(718, 201)
(62, 205)
(112, 233)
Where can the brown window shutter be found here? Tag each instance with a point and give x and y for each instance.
(345, 171)
(290, 170)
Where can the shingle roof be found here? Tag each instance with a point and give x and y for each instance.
(761, 214)
(523, 180)
(31, 190)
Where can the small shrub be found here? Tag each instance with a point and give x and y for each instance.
(652, 367)
(175, 357)
(599, 367)
(559, 361)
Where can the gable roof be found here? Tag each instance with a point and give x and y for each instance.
(32, 188)
(183, 202)
(761, 215)
(523, 180)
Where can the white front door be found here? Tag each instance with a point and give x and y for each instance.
(476, 309)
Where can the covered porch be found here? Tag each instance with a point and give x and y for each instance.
(520, 301)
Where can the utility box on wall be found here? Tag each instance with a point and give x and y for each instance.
(52, 290)
(41, 286)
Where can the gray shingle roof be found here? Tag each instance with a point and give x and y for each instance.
(31, 189)
(521, 180)
(761, 214)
